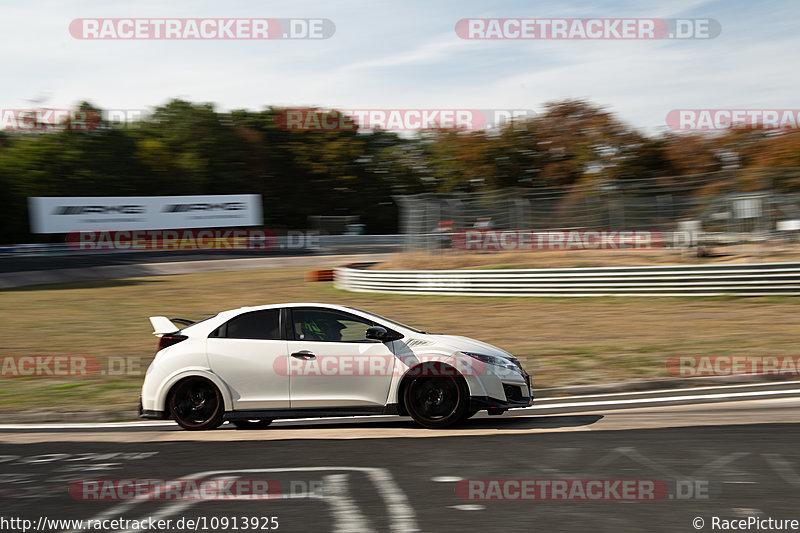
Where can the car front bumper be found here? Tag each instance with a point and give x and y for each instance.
(481, 403)
(510, 394)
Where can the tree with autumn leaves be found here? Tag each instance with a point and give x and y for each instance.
(191, 148)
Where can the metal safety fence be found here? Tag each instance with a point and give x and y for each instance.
(745, 279)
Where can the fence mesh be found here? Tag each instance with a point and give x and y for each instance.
(731, 206)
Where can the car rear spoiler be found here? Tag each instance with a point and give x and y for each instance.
(163, 325)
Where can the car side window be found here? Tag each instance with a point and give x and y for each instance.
(328, 325)
(263, 325)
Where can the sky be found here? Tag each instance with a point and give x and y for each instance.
(389, 55)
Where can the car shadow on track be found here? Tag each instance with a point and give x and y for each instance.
(531, 422)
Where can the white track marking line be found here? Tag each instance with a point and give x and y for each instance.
(633, 454)
(468, 507)
(401, 514)
(662, 391)
(403, 518)
(98, 425)
(129, 425)
(718, 463)
(169, 510)
(753, 394)
(348, 516)
(783, 468)
(118, 509)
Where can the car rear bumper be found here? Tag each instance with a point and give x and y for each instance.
(147, 413)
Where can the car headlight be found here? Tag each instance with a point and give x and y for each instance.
(496, 361)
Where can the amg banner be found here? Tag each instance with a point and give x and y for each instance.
(107, 213)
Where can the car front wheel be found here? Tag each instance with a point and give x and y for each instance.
(437, 402)
(196, 403)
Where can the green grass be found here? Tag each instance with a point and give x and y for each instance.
(67, 386)
(563, 341)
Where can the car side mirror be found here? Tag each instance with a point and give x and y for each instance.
(381, 334)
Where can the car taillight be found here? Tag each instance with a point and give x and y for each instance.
(168, 340)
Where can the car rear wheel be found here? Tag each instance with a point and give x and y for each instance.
(195, 403)
(437, 402)
(259, 423)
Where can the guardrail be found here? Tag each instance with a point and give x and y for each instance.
(745, 279)
(327, 244)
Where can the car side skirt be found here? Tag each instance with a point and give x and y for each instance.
(311, 412)
(158, 415)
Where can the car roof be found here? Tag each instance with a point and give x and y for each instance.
(295, 304)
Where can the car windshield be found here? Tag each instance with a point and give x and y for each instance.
(389, 320)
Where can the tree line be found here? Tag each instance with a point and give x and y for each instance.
(191, 148)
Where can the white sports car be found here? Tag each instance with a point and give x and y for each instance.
(255, 364)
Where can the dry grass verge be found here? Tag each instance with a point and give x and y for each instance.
(563, 341)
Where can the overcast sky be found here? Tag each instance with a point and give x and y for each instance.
(405, 55)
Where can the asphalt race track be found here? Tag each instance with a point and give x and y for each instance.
(732, 459)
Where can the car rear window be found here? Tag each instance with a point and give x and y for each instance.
(263, 325)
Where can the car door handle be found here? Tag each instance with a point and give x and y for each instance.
(304, 354)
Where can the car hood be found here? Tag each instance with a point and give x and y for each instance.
(465, 344)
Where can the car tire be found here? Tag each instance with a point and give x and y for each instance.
(259, 423)
(438, 401)
(195, 403)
